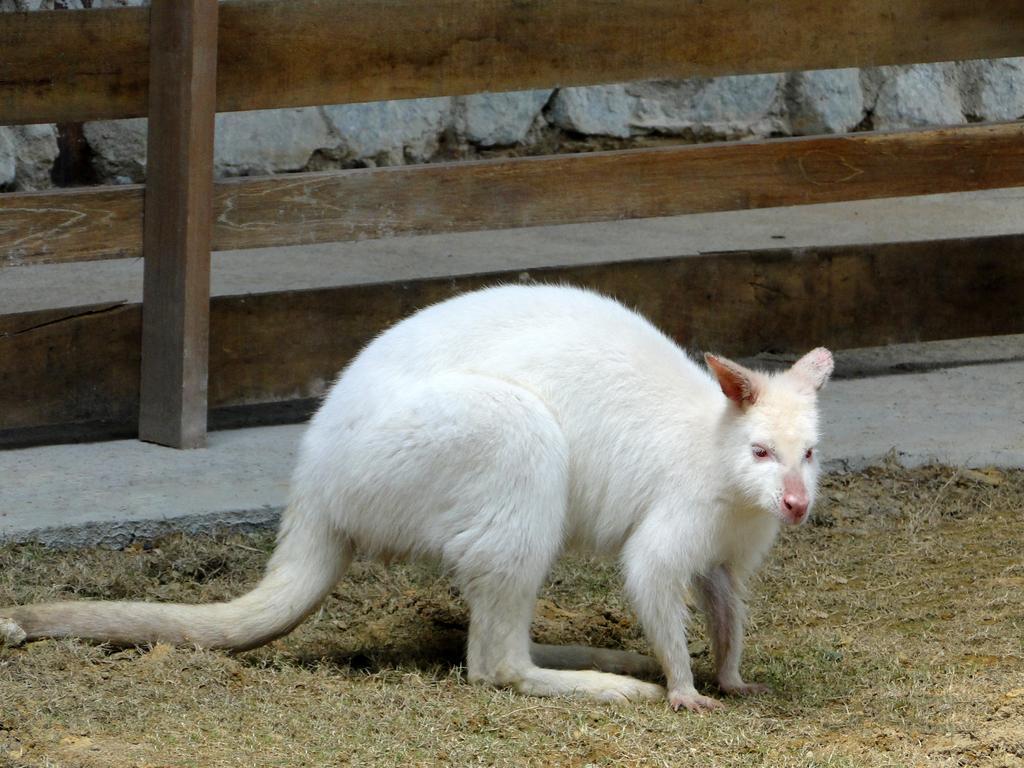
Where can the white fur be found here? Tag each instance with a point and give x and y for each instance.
(494, 430)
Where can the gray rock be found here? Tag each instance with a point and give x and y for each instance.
(27, 155)
(8, 165)
(739, 100)
(600, 110)
(993, 90)
(8, 6)
(390, 132)
(916, 96)
(260, 142)
(499, 119)
(268, 141)
(35, 150)
(724, 107)
(824, 101)
(73, 5)
(119, 149)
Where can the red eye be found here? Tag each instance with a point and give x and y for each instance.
(810, 454)
(760, 451)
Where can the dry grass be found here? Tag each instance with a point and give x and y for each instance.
(892, 632)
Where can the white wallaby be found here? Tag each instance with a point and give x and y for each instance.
(497, 429)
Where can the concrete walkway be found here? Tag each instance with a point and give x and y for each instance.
(110, 493)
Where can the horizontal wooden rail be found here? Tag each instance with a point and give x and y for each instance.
(294, 209)
(78, 368)
(93, 64)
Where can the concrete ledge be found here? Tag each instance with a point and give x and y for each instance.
(116, 534)
(965, 417)
(929, 217)
(113, 492)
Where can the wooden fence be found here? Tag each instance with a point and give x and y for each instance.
(180, 61)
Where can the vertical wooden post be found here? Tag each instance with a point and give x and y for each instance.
(178, 222)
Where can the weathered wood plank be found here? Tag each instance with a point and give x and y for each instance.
(605, 186)
(82, 224)
(80, 366)
(178, 222)
(75, 365)
(277, 53)
(72, 66)
(450, 197)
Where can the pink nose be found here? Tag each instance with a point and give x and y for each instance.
(795, 505)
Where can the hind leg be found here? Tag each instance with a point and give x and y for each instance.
(501, 603)
(499, 650)
(512, 511)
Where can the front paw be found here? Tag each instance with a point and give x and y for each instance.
(692, 701)
(741, 688)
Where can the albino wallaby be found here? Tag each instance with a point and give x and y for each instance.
(493, 431)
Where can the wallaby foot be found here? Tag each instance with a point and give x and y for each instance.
(599, 686)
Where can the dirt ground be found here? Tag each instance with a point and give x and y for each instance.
(891, 630)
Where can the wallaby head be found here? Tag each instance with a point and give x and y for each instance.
(772, 432)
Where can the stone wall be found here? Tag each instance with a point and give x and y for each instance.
(534, 122)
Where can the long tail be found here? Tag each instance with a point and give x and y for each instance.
(306, 564)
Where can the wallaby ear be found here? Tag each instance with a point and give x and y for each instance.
(814, 368)
(739, 384)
